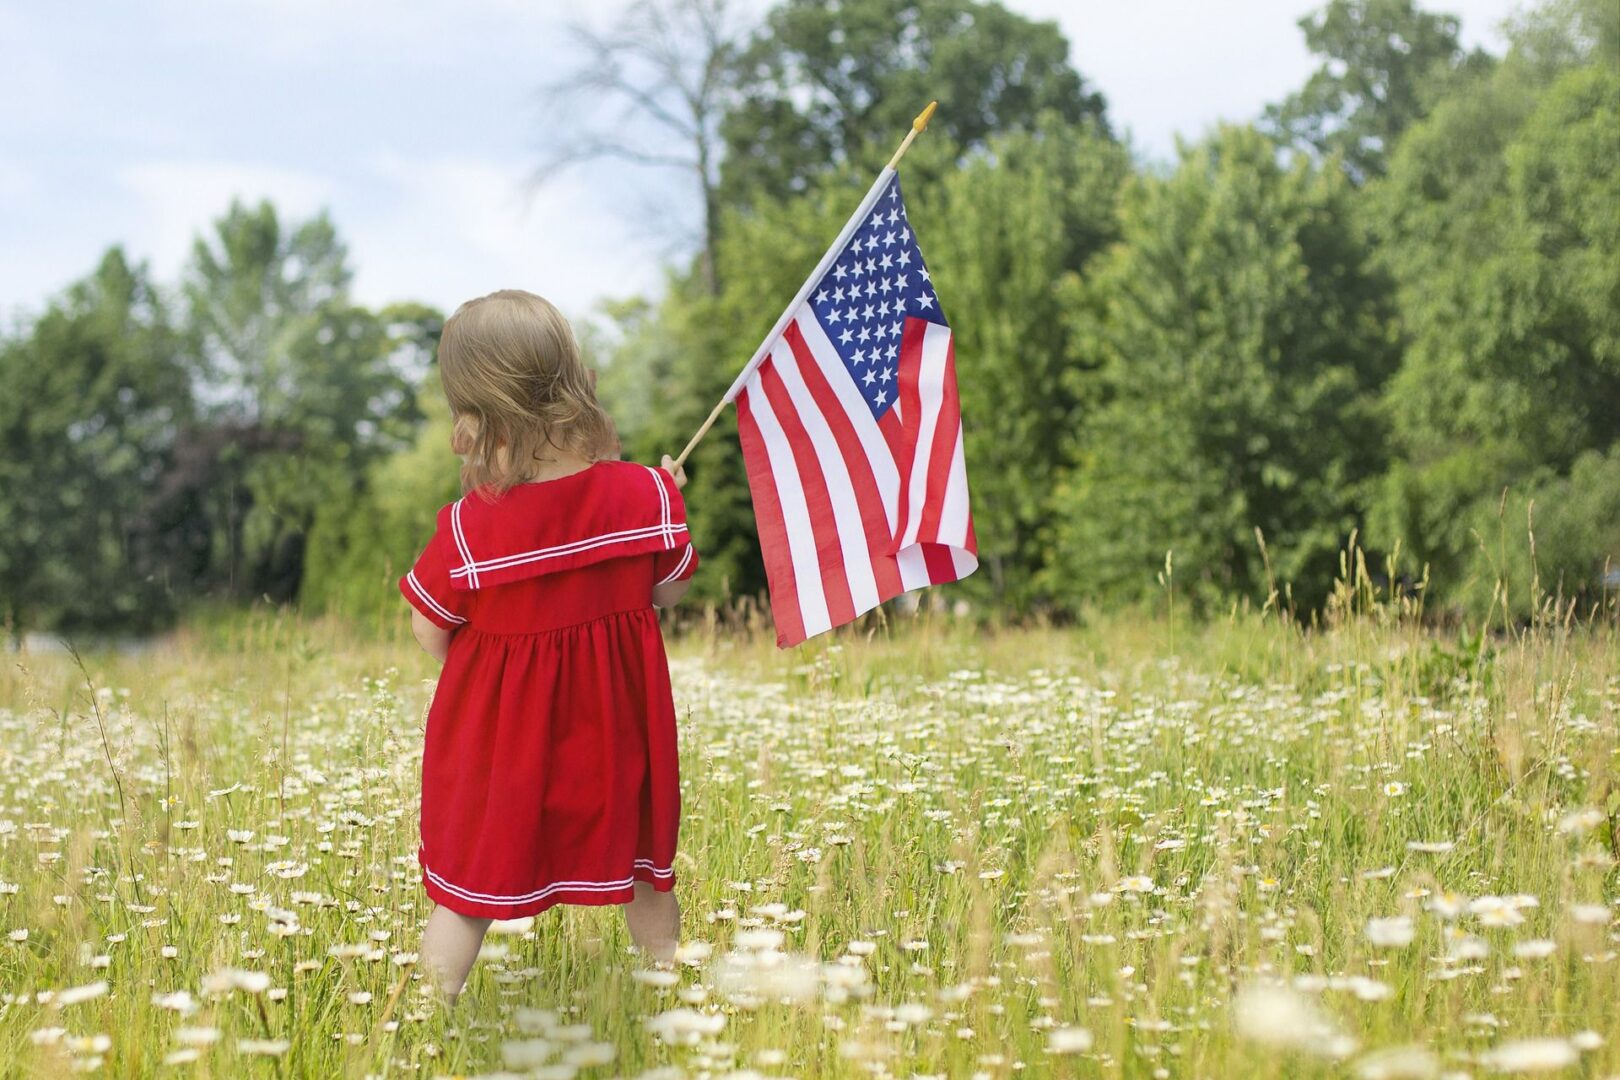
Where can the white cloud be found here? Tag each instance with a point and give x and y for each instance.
(449, 229)
(176, 200)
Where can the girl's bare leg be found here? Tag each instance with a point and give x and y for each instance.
(449, 947)
(654, 919)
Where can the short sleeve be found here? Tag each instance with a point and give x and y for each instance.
(676, 564)
(427, 587)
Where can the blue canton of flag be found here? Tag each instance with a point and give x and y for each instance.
(863, 299)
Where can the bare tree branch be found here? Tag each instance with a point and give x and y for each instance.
(650, 90)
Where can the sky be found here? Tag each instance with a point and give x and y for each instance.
(418, 126)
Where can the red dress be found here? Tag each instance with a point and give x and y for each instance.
(550, 771)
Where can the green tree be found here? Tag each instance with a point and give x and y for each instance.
(1006, 237)
(93, 397)
(1499, 220)
(1555, 36)
(832, 85)
(1384, 62)
(302, 390)
(1553, 536)
(359, 548)
(1242, 342)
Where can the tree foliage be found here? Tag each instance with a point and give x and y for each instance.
(1008, 235)
(360, 546)
(310, 388)
(94, 393)
(1499, 221)
(1241, 341)
(828, 86)
(1384, 63)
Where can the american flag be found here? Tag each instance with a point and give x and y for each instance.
(852, 432)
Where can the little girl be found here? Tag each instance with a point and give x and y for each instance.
(549, 774)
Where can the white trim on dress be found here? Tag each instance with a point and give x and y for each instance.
(468, 567)
(556, 886)
(427, 598)
(680, 567)
(663, 503)
(472, 570)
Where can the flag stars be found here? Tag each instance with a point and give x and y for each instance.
(874, 285)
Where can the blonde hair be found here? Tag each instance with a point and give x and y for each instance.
(512, 373)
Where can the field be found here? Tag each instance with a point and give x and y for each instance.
(1147, 848)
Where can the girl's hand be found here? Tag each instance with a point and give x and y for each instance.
(678, 472)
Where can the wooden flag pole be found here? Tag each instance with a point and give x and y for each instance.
(917, 127)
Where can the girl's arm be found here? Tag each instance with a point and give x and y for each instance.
(669, 594)
(432, 638)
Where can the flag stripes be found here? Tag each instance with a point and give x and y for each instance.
(852, 434)
(830, 495)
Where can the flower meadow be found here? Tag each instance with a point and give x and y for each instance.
(1135, 849)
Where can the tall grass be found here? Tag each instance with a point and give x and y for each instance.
(1142, 847)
